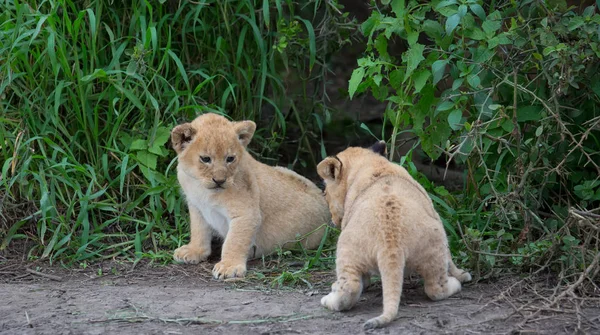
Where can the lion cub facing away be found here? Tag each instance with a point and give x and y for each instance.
(388, 225)
(256, 208)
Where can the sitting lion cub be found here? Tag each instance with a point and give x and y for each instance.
(254, 207)
(388, 225)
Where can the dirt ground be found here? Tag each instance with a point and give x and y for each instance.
(114, 298)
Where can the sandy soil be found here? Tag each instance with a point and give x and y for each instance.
(177, 299)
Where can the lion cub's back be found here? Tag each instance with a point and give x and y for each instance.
(288, 191)
(399, 207)
(290, 205)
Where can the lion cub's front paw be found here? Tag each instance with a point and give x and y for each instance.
(190, 255)
(227, 269)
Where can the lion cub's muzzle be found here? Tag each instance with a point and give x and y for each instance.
(219, 183)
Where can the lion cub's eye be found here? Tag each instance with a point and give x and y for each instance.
(230, 159)
(205, 159)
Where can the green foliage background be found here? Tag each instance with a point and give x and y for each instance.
(509, 90)
(91, 89)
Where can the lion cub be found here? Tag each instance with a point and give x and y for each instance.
(388, 224)
(256, 208)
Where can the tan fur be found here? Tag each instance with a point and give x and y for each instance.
(388, 225)
(256, 209)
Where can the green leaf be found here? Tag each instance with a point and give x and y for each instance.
(495, 15)
(451, 23)
(498, 40)
(508, 125)
(147, 159)
(92, 18)
(439, 69)
(132, 68)
(462, 11)
(98, 73)
(589, 11)
(370, 23)
(422, 108)
(123, 172)
(473, 80)
(412, 38)
(478, 10)
(377, 79)
(445, 3)
(130, 95)
(576, 22)
(476, 34)
(596, 84)
(539, 131)
(420, 79)
(548, 50)
(355, 79)
(413, 57)
(312, 42)
(529, 113)
(380, 92)
(180, 66)
(39, 25)
(454, 119)
(433, 28)
(490, 27)
(381, 44)
(399, 7)
(139, 144)
(396, 79)
(160, 139)
(457, 83)
(266, 13)
(467, 146)
(444, 106)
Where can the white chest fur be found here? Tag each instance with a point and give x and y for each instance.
(202, 199)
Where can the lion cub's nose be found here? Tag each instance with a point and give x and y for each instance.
(219, 182)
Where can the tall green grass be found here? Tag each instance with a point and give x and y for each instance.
(90, 90)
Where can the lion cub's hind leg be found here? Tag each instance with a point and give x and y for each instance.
(345, 292)
(462, 275)
(438, 284)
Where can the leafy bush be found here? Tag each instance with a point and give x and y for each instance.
(508, 89)
(90, 90)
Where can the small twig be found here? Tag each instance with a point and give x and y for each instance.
(45, 275)
(28, 321)
(573, 286)
(582, 213)
(577, 307)
(568, 291)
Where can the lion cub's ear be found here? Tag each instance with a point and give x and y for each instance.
(329, 168)
(379, 148)
(182, 136)
(245, 131)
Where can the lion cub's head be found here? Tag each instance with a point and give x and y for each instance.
(211, 148)
(335, 171)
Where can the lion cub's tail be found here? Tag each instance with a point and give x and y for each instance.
(461, 275)
(391, 268)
